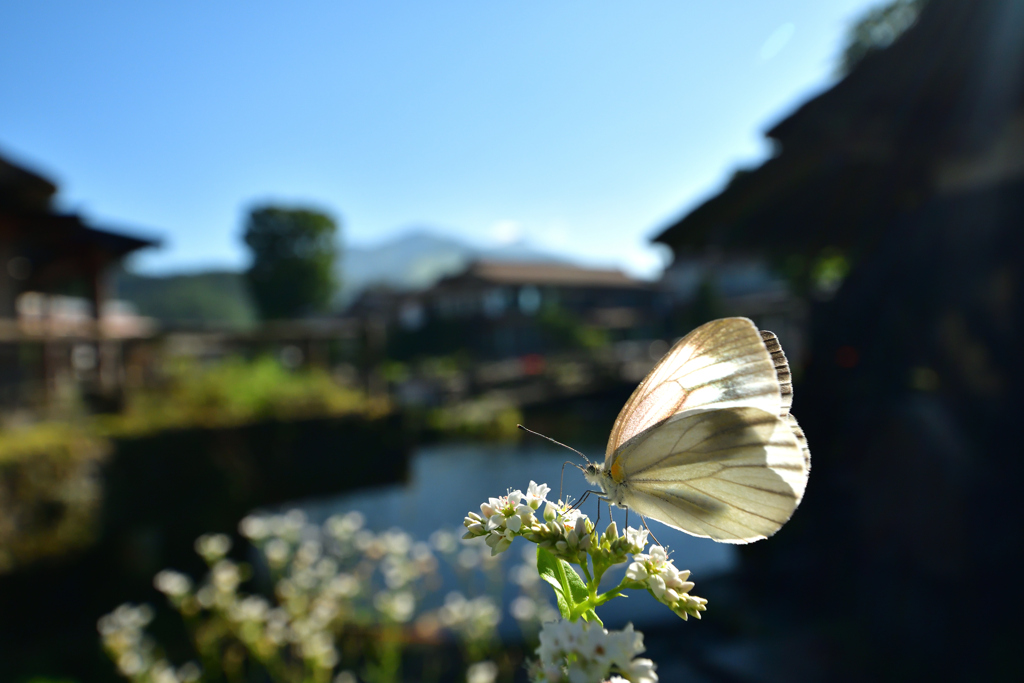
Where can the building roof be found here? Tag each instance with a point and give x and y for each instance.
(22, 189)
(876, 143)
(533, 273)
(60, 247)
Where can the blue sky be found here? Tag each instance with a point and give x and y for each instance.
(582, 127)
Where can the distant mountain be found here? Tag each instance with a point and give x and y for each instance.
(418, 259)
(211, 299)
(220, 299)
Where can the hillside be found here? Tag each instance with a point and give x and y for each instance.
(412, 261)
(215, 298)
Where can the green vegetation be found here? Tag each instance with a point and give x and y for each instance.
(234, 392)
(49, 480)
(49, 493)
(566, 331)
(294, 252)
(487, 417)
(206, 299)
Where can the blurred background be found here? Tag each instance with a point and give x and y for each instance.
(284, 280)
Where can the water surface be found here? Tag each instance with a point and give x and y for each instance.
(448, 480)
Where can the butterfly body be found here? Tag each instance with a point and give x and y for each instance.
(613, 488)
(706, 443)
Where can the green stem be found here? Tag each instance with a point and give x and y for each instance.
(595, 600)
(608, 595)
(586, 572)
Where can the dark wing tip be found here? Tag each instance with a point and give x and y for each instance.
(785, 377)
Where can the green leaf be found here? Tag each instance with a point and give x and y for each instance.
(576, 585)
(547, 565)
(570, 590)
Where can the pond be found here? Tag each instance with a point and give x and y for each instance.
(448, 480)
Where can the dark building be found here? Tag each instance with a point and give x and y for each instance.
(57, 260)
(895, 205)
(499, 309)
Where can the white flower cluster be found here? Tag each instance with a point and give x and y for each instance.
(327, 578)
(584, 652)
(469, 617)
(656, 572)
(333, 580)
(563, 530)
(337, 576)
(502, 519)
(124, 639)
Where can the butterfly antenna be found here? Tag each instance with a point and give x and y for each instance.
(558, 443)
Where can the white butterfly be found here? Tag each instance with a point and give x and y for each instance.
(706, 443)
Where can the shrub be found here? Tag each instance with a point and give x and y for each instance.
(49, 491)
(234, 392)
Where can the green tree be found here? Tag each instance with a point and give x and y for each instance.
(294, 252)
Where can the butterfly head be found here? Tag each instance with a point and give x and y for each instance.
(594, 473)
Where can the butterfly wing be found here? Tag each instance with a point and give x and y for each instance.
(723, 363)
(734, 474)
(771, 342)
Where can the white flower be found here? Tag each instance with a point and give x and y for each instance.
(254, 528)
(396, 542)
(669, 585)
(250, 609)
(502, 519)
(499, 541)
(212, 547)
(585, 652)
(482, 672)
(444, 541)
(536, 494)
(172, 584)
(398, 606)
(308, 552)
(469, 558)
(636, 539)
(523, 608)
(641, 671)
(225, 576)
(626, 643)
(636, 572)
(277, 552)
(130, 663)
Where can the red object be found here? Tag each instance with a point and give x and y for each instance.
(532, 364)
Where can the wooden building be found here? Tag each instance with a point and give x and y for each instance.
(56, 322)
(901, 190)
(499, 309)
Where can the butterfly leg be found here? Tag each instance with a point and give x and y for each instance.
(561, 480)
(649, 531)
(586, 494)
